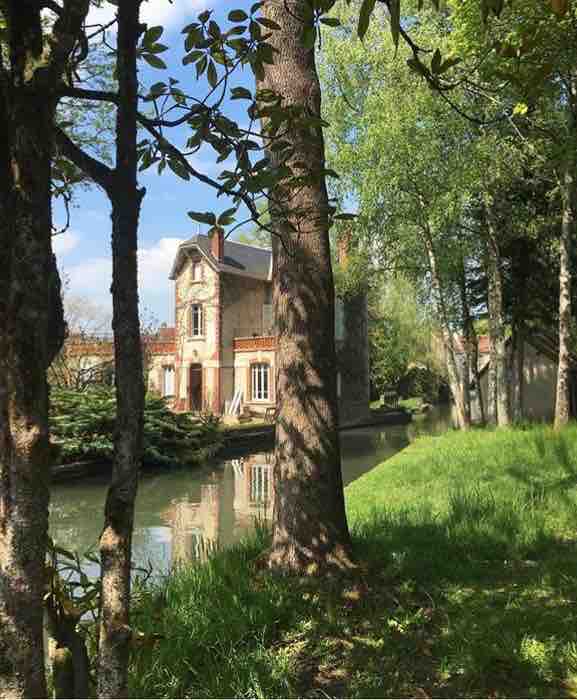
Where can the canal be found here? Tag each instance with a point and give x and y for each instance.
(184, 515)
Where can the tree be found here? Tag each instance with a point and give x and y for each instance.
(32, 61)
(310, 533)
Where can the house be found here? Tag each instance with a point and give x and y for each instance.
(221, 353)
(539, 376)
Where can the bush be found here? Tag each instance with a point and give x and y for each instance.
(83, 425)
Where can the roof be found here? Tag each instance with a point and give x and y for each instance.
(239, 258)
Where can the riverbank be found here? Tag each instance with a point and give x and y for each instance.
(226, 442)
(466, 588)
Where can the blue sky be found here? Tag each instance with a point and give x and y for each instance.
(83, 251)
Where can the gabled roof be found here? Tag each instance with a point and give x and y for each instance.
(239, 258)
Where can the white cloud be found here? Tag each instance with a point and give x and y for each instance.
(91, 278)
(64, 243)
(154, 12)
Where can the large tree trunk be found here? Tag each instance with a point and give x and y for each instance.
(31, 333)
(456, 380)
(116, 538)
(470, 349)
(518, 367)
(497, 339)
(310, 533)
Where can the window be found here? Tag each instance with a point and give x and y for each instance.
(168, 381)
(196, 272)
(260, 382)
(196, 320)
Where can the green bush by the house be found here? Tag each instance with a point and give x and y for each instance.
(83, 425)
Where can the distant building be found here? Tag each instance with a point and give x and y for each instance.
(540, 377)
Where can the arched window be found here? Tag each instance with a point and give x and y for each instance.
(196, 320)
(260, 381)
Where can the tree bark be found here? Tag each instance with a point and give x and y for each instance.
(568, 231)
(456, 381)
(116, 537)
(310, 532)
(31, 331)
(518, 367)
(470, 349)
(497, 339)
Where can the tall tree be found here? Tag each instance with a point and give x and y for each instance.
(310, 533)
(32, 63)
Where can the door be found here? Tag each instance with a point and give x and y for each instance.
(195, 388)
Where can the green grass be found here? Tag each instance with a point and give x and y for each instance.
(467, 587)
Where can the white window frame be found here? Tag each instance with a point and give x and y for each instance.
(260, 381)
(196, 321)
(168, 378)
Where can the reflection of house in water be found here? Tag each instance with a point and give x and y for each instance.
(253, 488)
(229, 507)
(195, 526)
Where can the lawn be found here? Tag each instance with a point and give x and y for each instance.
(466, 587)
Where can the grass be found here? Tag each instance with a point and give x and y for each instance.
(467, 587)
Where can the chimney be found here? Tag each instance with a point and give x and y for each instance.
(216, 236)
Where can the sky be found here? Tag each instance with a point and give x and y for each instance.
(83, 250)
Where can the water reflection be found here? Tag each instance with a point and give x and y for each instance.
(184, 516)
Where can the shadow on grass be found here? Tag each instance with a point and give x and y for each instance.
(478, 603)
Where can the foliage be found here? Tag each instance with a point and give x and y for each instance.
(465, 590)
(83, 427)
(400, 333)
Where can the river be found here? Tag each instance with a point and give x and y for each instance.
(184, 515)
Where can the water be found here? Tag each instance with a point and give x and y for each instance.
(184, 515)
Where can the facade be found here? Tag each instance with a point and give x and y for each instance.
(539, 378)
(221, 354)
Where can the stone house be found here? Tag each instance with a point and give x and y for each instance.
(221, 354)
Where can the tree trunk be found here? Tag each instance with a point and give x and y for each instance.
(498, 342)
(518, 362)
(310, 533)
(31, 333)
(470, 351)
(455, 379)
(569, 193)
(116, 538)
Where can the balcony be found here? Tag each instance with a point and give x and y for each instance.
(254, 342)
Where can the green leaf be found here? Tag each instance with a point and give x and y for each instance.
(178, 168)
(227, 217)
(240, 93)
(206, 217)
(152, 35)
(158, 48)
(365, 17)
(201, 66)
(268, 23)
(153, 60)
(212, 75)
(204, 16)
(237, 16)
(436, 61)
(331, 21)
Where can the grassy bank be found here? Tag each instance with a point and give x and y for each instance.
(467, 588)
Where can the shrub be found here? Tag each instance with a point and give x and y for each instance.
(83, 427)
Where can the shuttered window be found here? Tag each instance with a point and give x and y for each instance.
(168, 381)
(260, 381)
(196, 320)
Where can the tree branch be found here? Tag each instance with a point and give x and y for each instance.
(97, 171)
(93, 95)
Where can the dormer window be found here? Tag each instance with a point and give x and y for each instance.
(196, 320)
(196, 271)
